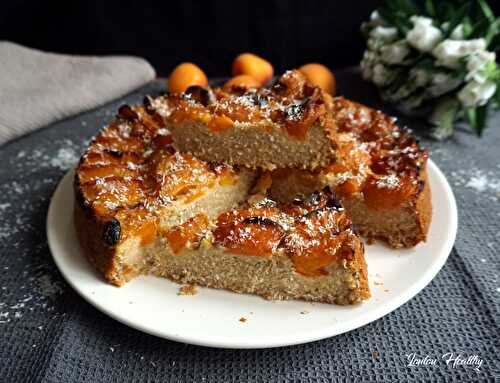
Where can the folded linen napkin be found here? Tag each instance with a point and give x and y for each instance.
(37, 88)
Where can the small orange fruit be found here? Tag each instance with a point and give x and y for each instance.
(253, 65)
(319, 75)
(243, 80)
(185, 75)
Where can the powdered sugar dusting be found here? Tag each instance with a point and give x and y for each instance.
(480, 181)
(64, 158)
(390, 181)
(24, 196)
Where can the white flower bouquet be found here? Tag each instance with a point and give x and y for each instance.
(438, 58)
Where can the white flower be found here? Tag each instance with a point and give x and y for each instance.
(419, 76)
(477, 64)
(394, 53)
(457, 33)
(385, 34)
(375, 18)
(449, 52)
(442, 83)
(476, 94)
(423, 36)
(382, 75)
(370, 58)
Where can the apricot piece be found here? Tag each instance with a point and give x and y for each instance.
(253, 65)
(319, 75)
(243, 81)
(380, 193)
(186, 75)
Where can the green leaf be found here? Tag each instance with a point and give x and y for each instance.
(494, 44)
(470, 117)
(429, 8)
(488, 13)
(467, 27)
(493, 30)
(481, 119)
(443, 117)
(404, 7)
(457, 18)
(401, 22)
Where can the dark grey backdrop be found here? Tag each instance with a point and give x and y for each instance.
(209, 33)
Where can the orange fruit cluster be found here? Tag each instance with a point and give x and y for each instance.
(249, 71)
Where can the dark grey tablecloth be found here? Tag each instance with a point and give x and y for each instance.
(49, 334)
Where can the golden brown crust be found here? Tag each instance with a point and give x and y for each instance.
(99, 254)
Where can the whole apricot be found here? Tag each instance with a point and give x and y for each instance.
(243, 80)
(253, 65)
(185, 75)
(319, 75)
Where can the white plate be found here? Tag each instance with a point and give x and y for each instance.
(211, 317)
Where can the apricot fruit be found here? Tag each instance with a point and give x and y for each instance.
(186, 75)
(253, 65)
(319, 75)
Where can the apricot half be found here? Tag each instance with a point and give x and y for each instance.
(319, 75)
(253, 65)
(186, 75)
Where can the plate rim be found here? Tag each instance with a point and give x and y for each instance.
(322, 333)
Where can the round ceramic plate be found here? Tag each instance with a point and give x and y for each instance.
(214, 317)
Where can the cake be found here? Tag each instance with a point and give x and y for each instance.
(142, 207)
(285, 125)
(261, 191)
(379, 175)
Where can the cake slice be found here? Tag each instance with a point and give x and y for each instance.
(379, 175)
(131, 183)
(302, 250)
(285, 125)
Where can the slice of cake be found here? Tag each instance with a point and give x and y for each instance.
(302, 250)
(131, 182)
(285, 125)
(379, 175)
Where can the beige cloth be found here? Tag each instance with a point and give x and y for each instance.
(38, 88)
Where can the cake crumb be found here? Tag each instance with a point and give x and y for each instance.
(188, 290)
(304, 312)
(376, 355)
(243, 319)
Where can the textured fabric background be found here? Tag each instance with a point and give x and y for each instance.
(31, 83)
(49, 334)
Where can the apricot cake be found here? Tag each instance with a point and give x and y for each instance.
(131, 182)
(144, 208)
(379, 175)
(232, 188)
(286, 125)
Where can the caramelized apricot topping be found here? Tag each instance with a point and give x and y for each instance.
(187, 234)
(388, 191)
(249, 232)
